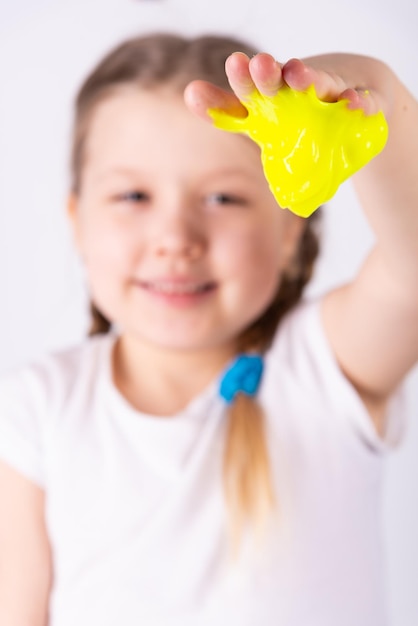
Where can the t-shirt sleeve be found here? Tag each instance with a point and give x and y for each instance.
(21, 436)
(316, 363)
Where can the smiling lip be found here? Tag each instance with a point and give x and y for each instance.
(177, 291)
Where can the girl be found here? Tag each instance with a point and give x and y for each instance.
(212, 413)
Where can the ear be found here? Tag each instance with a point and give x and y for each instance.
(73, 213)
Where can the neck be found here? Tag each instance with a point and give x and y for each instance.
(161, 381)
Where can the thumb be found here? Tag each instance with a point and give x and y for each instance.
(201, 95)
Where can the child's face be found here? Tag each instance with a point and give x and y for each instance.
(182, 241)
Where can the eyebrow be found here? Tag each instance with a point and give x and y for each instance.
(132, 172)
(118, 171)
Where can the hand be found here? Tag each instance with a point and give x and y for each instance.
(310, 142)
(265, 74)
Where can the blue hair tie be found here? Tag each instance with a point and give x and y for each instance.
(243, 376)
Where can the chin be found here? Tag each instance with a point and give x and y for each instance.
(174, 340)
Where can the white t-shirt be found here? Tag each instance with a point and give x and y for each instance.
(135, 506)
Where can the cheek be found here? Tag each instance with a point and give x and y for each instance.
(258, 246)
(263, 268)
(108, 263)
(105, 246)
(252, 257)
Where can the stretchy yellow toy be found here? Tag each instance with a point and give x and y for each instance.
(308, 147)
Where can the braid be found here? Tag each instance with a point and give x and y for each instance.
(248, 482)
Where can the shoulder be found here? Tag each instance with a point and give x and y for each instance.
(39, 400)
(300, 331)
(302, 359)
(54, 374)
(300, 353)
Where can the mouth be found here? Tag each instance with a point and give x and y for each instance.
(178, 292)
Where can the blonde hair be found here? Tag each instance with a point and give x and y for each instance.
(148, 61)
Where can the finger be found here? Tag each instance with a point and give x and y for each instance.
(239, 77)
(360, 99)
(201, 95)
(299, 76)
(266, 73)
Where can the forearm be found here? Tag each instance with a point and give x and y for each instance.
(388, 190)
(388, 186)
(26, 559)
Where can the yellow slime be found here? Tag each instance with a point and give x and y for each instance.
(308, 147)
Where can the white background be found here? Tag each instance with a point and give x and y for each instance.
(46, 48)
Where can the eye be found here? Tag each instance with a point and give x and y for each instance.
(214, 199)
(132, 197)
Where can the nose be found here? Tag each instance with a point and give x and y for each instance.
(180, 235)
